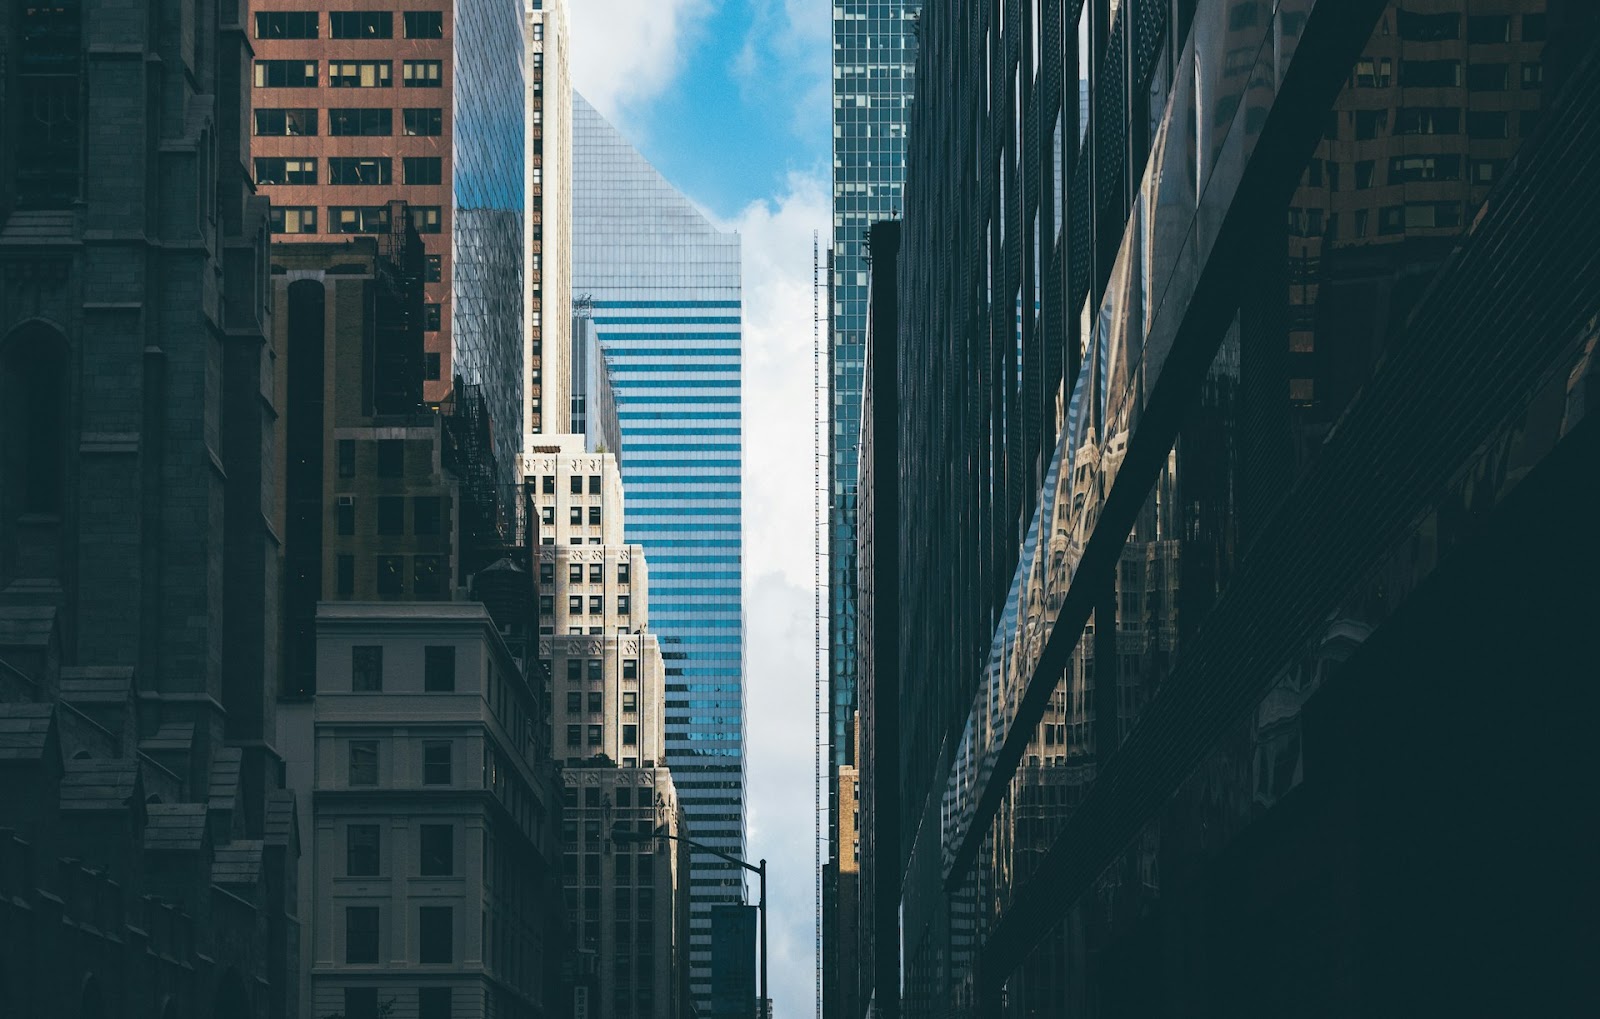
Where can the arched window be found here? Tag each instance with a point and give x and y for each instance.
(33, 419)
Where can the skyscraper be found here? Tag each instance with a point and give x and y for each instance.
(874, 55)
(665, 290)
(353, 109)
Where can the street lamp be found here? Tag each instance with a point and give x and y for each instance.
(621, 833)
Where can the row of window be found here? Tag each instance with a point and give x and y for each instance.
(349, 170)
(574, 515)
(435, 934)
(1378, 72)
(1440, 166)
(427, 517)
(630, 735)
(1416, 120)
(362, 1003)
(547, 573)
(575, 701)
(428, 573)
(622, 869)
(363, 762)
(1392, 219)
(438, 668)
(364, 850)
(348, 73)
(348, 25)
(576, 667)
(353, 219)
(547, 484)
(1481, 28)
(547, 605)
(349, 122)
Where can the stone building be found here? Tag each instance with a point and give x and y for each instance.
(147, 849)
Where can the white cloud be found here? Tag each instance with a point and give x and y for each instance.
(626, 53)
(778, 498)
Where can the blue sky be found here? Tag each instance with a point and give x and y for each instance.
(731, 102)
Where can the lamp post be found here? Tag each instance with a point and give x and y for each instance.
(621, 834)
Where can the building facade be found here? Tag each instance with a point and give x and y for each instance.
(547, 371)
(1201, 567)
(148, 850)
(874, 61)
(665, 290)
(627, 897)
(594, 398)
(353, 109)
(411, 709)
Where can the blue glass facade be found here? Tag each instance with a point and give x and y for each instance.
(665, 290)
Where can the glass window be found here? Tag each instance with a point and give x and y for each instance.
(361, 850)
(286, 25)
(437, 850)
(630, 668)
(439, 668)
(286, 74)
(435, 942)
(624, 605)
(347, 458)
(434, 273)
(574, 604)
(361, 1003)
(594, 484)
(1415, 27)
(361, 122)
(595, 735)
(360, 25)
(630, 701)
(363, 762)
(423, 169)
(391, 514)
(293, 219)
(360, 73)
(630, 735)
(574, 702)
(596, 605)
(436, 763)
(1488, 77)
(597, 704)
(624, 573)
(346, 569)
(594, 515)
(574, 735)
(547, 484)
(428, 572)
(432, 317)
(1489, 28)
(596, 573)
(391, 458)
(423, 73)
(366, 668)
(292, 123)
(575, 484)
(547, 605)
(345, 516)
(594, 670)
(428, 219)
(432, 1003)
(425, 514)
(424, 25)
(361, 934)
(281, 170)
(426, 121)
(391, 577)
(1488, 124)
(574, 669)
(360, 170)
(358, 219)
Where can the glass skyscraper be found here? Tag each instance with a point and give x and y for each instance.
(874, 53)
(664, 286)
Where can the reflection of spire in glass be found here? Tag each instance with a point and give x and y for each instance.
(665, 289)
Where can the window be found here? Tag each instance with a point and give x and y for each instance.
(434, 271)
(286, 25)
(361, 934)
(432, 316)
(391, 575)
(630, 701)
(432, 1003)
(426, 517)
(346, 569)
(575, 484)
(574, 669)
(360, 73)
(1407, 169)
(278, 170)
(345, 515)
(423, 73)
(594, 515)
(424, 25)
(361, 850)
(1489, 28)
(575, 514)
(574, 702)
(624, 573)
(1364, 169)
(423, 169)
(547, 484)
(1487, 124)
(594, 484)
(361, 1003)
(286, 74)
(624, 605)
(293, 219)
(1427, 27)
(358, 219)
(1371, 123)
(439, 668)
(438, 850)
(391, 458)
(1428, 120)
(630, 735)
(596, 573)
(436, 763)
(426, 218)
(1488, 77)
(372, 122)
(347, 458)
(1431, 215)
(547, 605)
(630, 668)
(595, 735)
(363, 762)
(574, 604)
(360, 25)
(366, 669)
(391, 514)
(360, 170)
(597, 703)
(435, 943)
(1486, 171)
(1532, 75)
(288, 123)
(574, 573)
(594, 670)
(426, 121)
(574, 735)
(1392, 219)
(428, 573)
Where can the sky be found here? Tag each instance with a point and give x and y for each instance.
(730, 100)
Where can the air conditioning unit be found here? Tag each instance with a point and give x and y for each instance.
(347, 500)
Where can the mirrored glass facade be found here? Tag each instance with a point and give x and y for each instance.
(663, 285)
(1210, 591)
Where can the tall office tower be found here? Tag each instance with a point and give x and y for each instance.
(144, 862)
(627, 899)
(547, 294)
(352, 109)
(1180, 617)
(874, 55)
(413, 713)
(665, 289)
